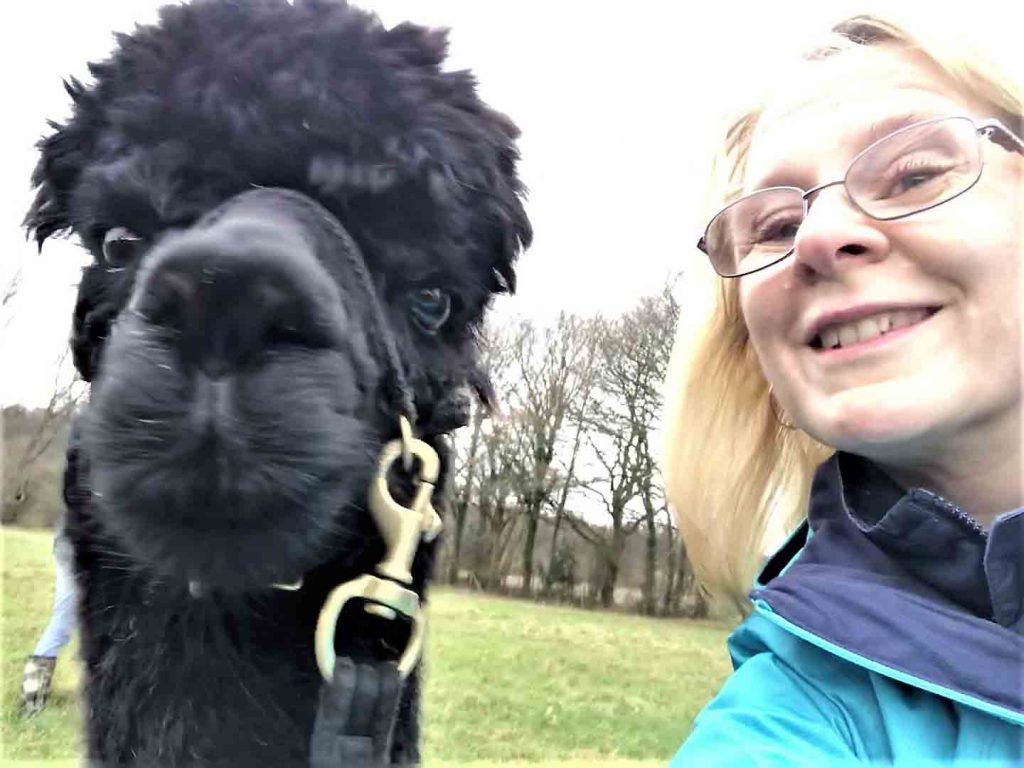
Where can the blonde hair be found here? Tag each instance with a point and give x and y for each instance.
(736, 475)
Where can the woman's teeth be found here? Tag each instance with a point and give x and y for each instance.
(867, 328)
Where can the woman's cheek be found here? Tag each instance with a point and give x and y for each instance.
(763, 307)
(769, 315)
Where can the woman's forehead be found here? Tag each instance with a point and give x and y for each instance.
(838, 107)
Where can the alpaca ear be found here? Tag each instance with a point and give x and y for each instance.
(512, 235)
(481, 384)
(513, 232)
(63, 155)
(419, 46)
(46, 216)
(49, 213)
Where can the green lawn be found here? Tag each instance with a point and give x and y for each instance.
(507, 681)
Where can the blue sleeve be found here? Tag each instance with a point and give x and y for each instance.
(767, 714)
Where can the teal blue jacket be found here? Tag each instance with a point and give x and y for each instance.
(889, 630)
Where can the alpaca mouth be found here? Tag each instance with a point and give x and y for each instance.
(231, 514)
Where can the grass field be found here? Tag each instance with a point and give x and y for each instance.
(507, 682)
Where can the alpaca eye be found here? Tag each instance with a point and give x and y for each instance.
(121, 247)
(430, 307)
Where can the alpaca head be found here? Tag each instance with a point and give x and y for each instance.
(270, 192)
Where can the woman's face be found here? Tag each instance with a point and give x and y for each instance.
(951, 275)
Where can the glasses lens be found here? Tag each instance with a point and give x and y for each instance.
(916, 168)
(755, 231)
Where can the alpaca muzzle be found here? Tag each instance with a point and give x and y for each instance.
(247, 275)
(387, 594)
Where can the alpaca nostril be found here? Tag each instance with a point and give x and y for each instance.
(281, 318)
(228, 298)
(169, 298)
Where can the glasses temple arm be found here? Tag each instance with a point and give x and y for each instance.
(995, 131)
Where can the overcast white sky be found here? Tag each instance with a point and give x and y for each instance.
(618, 103)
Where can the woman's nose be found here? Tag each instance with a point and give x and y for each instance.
(836, 233)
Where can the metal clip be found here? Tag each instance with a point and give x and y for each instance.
(379, 592)
(402, 529)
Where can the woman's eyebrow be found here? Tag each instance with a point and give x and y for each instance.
(892, 123)
(789, 176)
(782, 176)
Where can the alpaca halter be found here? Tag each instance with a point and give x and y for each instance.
(388, 593)
(402, 528)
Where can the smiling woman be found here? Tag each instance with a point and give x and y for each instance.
(864, 361)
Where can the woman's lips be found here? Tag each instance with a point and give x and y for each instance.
(907, 325)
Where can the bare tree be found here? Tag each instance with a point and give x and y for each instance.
(497, 510)
(582, 397)
(65, 395)
(568, 480)
(471, 485)
(463, 488)
(654, 508)
(554, 367)
(673, 550)
(625, 413)
(7, 296)
(10, 290)
(613, 488)
(680, 580)
(653, 501)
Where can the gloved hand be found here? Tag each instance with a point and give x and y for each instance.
(356, 716)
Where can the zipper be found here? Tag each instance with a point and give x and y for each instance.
(958, 514)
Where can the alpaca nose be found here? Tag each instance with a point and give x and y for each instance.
(230, 294)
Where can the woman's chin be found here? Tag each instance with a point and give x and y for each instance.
(867, 425)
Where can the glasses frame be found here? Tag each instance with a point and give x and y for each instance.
(991, 129)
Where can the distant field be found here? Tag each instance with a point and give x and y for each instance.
(507, 681)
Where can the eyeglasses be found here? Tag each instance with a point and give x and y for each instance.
(911, 170)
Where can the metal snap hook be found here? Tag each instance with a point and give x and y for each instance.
(402, 529)
(378, 592)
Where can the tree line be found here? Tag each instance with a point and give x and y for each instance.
(558, 492)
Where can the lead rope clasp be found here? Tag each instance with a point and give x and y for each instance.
(402, 529)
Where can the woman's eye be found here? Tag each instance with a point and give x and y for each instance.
(430, 308)
(917, 178)
(780, 228)
(121, 247)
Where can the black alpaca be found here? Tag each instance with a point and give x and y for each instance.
(285, 203)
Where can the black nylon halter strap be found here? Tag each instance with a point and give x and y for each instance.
(396, 388)
(355, 716)
(357, 708)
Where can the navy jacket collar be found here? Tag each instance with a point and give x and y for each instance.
(932, 539)
(906, 580)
